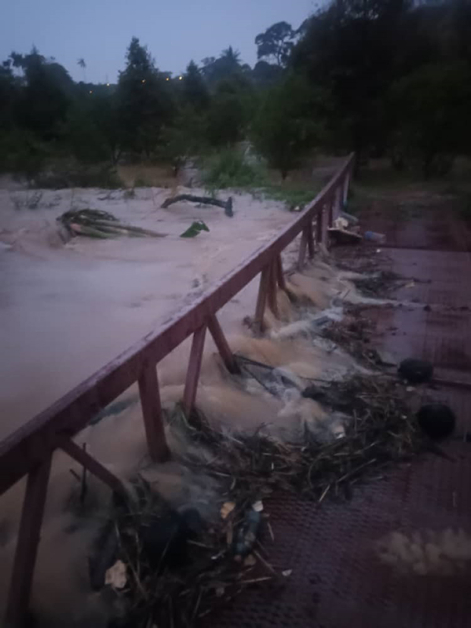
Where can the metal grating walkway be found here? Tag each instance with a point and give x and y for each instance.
(340, 575)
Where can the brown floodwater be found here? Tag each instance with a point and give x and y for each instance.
(67, 309)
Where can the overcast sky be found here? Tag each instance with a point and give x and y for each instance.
(174, 30)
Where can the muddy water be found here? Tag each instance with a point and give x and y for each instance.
(66, 310)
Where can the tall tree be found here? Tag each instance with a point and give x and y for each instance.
(46, 95)
(289, 123)
(226, 66)
(144, 100)
(195, 92)
(265, 73)
(227, 116)
(8, 94)
(276, 43)
(430, 109)
(350, 47)
(92, 130)
(185, 137)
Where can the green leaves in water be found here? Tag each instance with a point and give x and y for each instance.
(196, 227)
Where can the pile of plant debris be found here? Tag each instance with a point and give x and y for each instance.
(381, 431)
(375, 284)
(379, 284)
(173, 569)
(353, 334)
(96, 223)
(170, 584)
(383, 284)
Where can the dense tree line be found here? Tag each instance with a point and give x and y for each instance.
(381, 77)
(399, 77)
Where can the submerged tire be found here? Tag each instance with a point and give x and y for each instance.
(437, 420)
(415, 371)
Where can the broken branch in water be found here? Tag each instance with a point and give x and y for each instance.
(205, 200)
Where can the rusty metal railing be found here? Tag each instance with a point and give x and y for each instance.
(29, 450)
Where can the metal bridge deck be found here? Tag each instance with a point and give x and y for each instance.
(340, 577)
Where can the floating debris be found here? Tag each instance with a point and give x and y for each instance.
(116, 575)
(214, 561)
(436, 420)
(218, 560)
(201, 200)
(353, 334)
(372, 236)
(381, 430)
(96, 223)
(378, 285)
(194, 229)
(415, 371)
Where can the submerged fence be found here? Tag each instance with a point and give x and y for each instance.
(29, 450)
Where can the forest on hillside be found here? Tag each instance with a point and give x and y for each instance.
(385, 78)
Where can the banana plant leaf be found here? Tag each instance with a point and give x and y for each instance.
(197, 227)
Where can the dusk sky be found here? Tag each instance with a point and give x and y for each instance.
(175, 31)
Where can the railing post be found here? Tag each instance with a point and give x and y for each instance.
(310, 240)
(320, 226)
(302, 250)
(27, 543)
(194, 367)
(222, 345)
(280, 277)
(346, 185)
(152, 413)
(262, 298)
(330, 214)
(272, 290)
(337, 203)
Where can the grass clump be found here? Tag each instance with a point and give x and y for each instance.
(229, 169)
(296, 195)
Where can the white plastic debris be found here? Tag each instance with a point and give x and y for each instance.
(116, 575)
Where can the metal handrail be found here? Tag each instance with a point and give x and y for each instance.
(28, 450)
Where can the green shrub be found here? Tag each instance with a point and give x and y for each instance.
(228, 169)
(21, 153)
(141, 182)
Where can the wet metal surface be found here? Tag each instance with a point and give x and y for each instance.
(340, 578)
(398, 554)
(432, 229)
